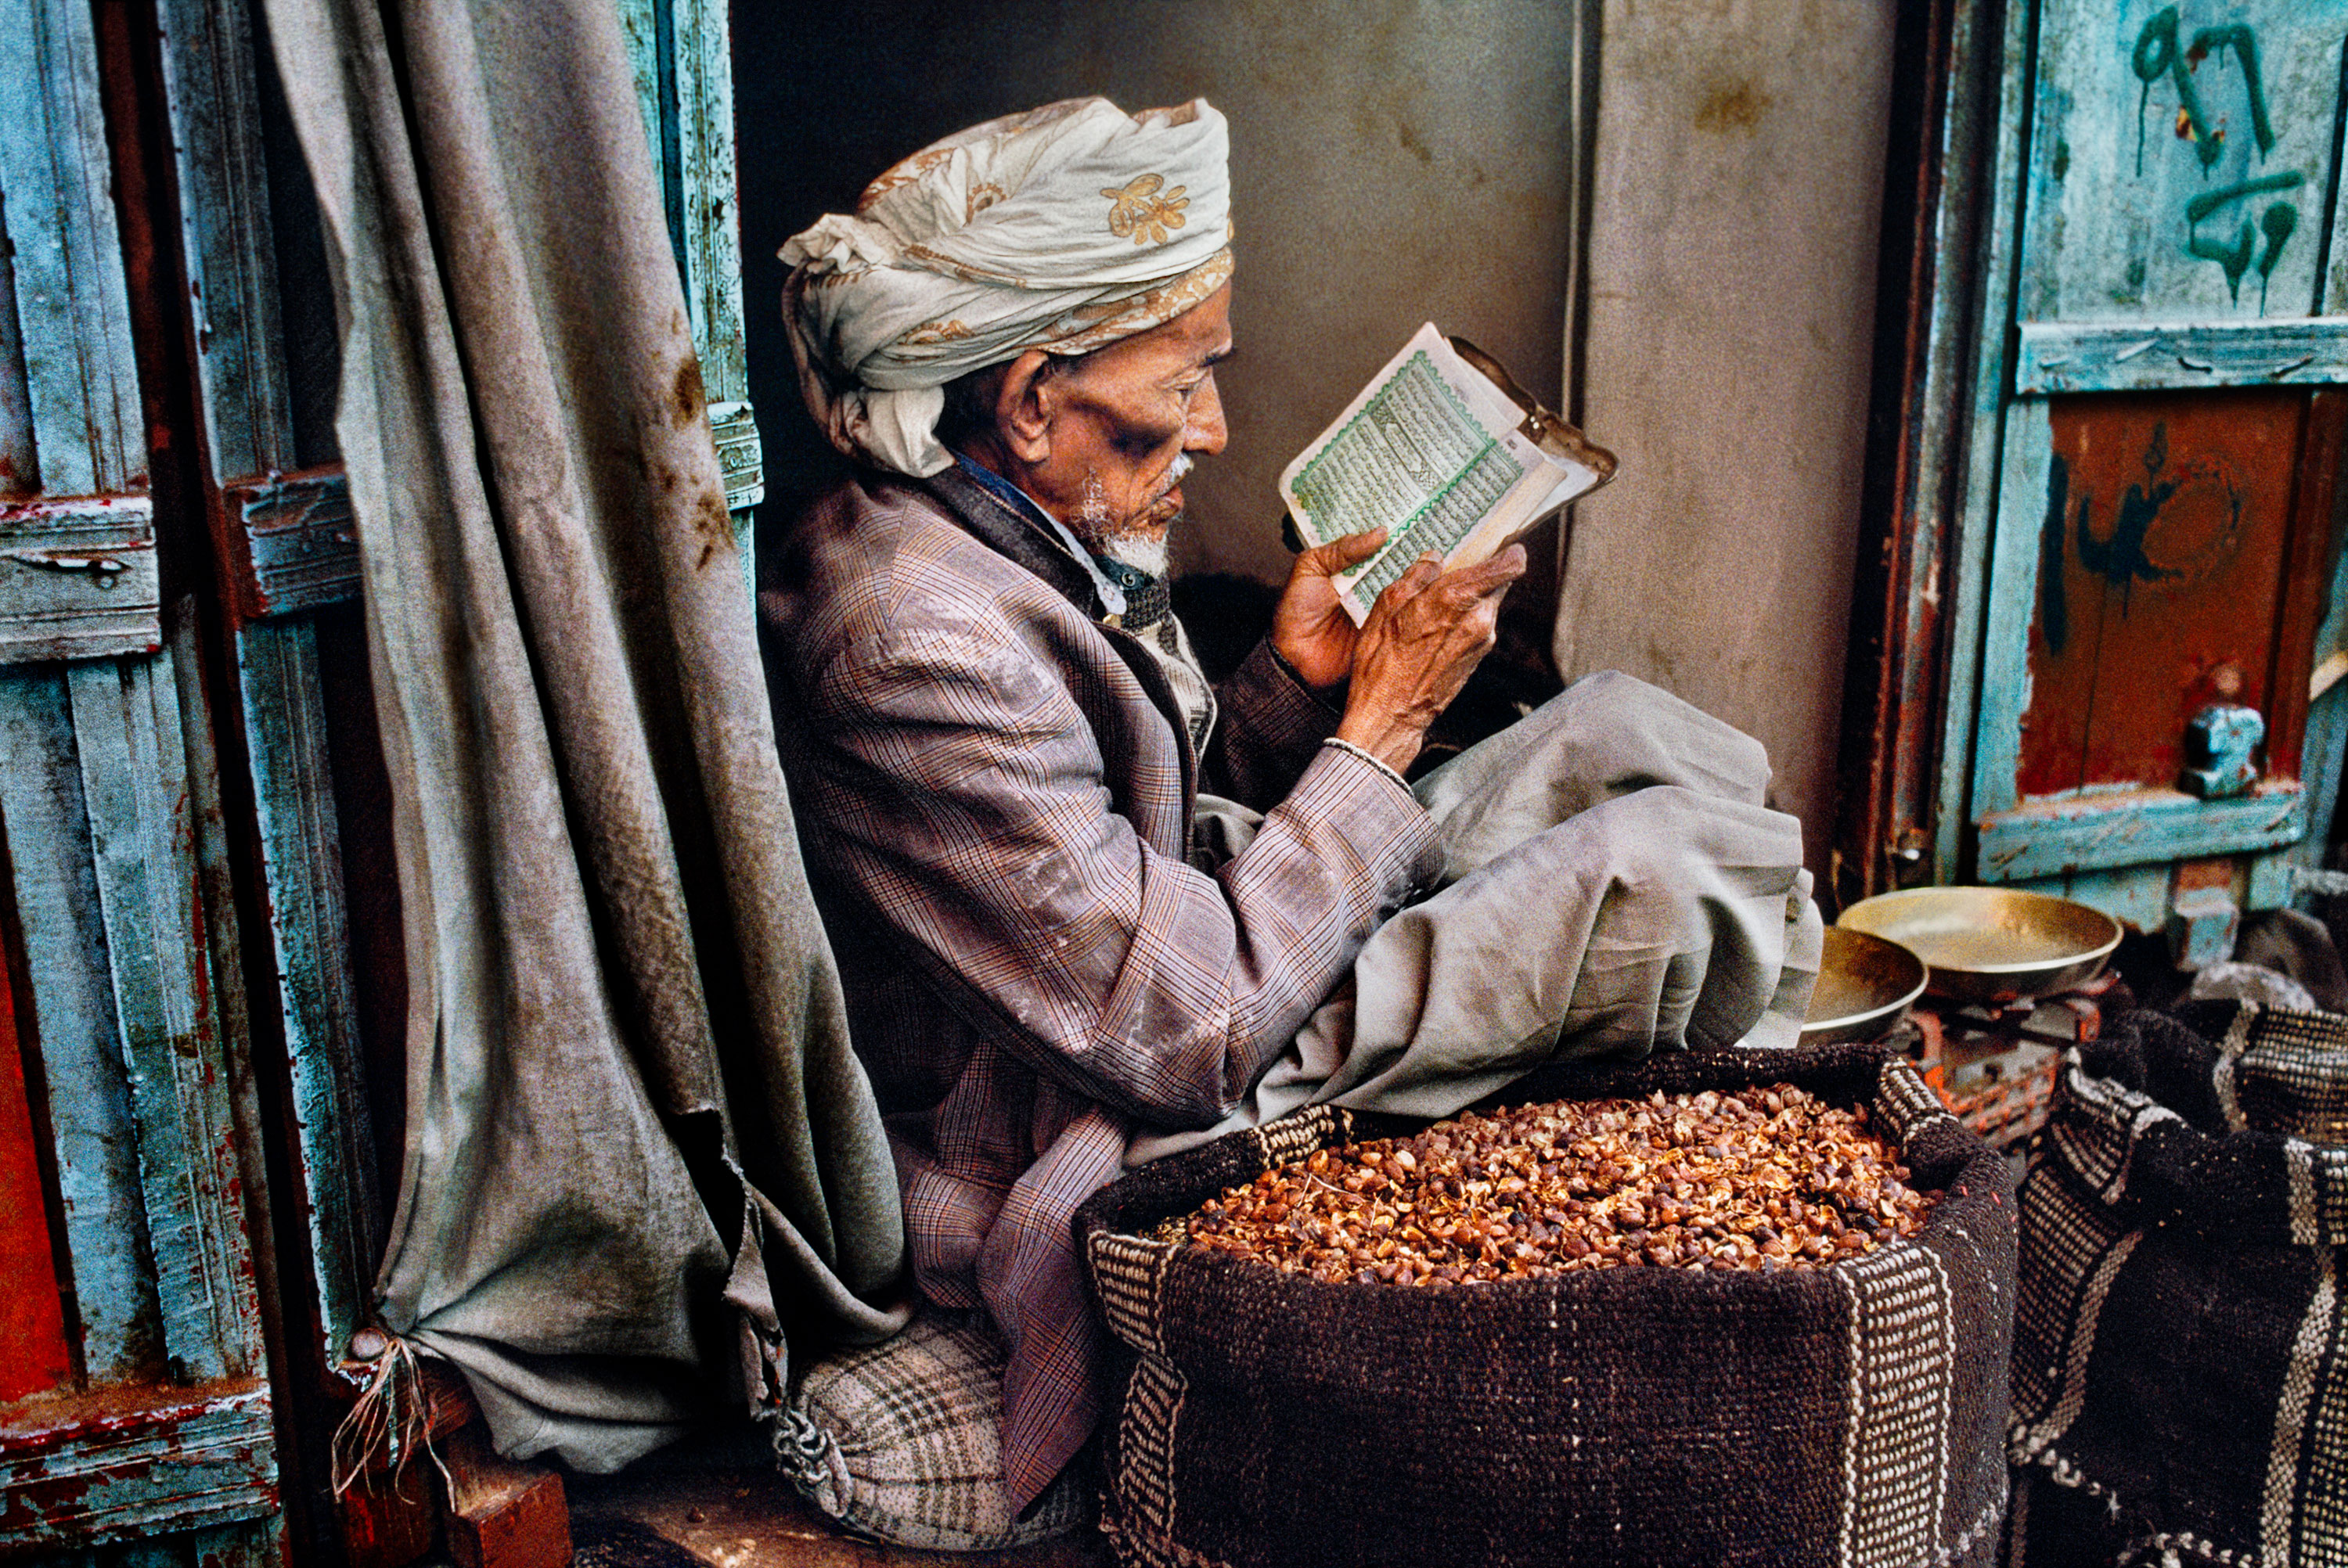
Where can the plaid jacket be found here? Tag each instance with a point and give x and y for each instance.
(996, 793)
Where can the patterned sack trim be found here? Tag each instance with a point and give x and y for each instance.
(1903, 1339)
(2290, 1074)
(1129, 1274)
(2170, 1549)
(1985, 1525)
(900, 1443)
(2127, 1200)
(2063, 1239)
(2272, 1071)
(1906, 1102)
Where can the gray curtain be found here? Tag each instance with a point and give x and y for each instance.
(638, 1152)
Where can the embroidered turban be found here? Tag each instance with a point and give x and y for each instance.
(1063, 229)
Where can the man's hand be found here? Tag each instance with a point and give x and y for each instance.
(1310, 628)
(1423, 639)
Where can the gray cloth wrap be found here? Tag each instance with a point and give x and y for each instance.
(1615, 886)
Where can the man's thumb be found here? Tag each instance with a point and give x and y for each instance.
(1338, 555)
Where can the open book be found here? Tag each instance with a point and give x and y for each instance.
(1445, 452)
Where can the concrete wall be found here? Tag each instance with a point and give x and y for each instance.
(1401, 160)
(1738, 180)
(1394, 161)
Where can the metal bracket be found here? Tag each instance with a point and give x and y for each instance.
(79, 579)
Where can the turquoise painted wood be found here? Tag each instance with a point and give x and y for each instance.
(2184, 160)
(2145, 356)
(135, 786)
(292, 542)
(684, 85)
(640, 25)
(2054, 839)
(129, 1479)
(290, 546)
(2137, 894)
(2323, 765)
(80, 1046)
(213, 92)
(1978, 489)
(20, 464)
(2005, 681)
(713, 236)
(114, 843)
(277, 669)
(72, 306)
(78, 579)
(2176, 184)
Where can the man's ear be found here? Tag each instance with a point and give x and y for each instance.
(1024, 404)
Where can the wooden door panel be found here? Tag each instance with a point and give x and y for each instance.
(2185, 160)
(2161, 580)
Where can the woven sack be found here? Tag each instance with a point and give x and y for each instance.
(899, 1442)
(1849, 1415)
(2180, 1370)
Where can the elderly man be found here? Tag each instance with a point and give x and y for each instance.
(1054, 950)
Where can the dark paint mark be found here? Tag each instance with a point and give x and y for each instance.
(2062, 159)
(2053, 612)
(690, 397)
(2120, 560)
(2240, 38)
(2277, 221)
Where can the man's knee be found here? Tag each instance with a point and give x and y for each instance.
(1628, 734)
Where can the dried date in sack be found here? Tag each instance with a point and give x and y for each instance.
(2180, 1360)
(1645, 1415)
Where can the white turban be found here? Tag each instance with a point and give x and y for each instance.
(1062, 229)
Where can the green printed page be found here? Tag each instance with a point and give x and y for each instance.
(1412, 455)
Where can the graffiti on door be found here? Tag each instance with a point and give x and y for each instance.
(2241, 240)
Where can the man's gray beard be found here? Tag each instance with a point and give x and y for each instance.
(1151, 553)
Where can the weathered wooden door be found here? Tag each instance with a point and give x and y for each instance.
(133, 1363)
(2145, 454)
(151, 1055)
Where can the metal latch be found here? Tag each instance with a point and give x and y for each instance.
(106, 569)
(78, 579)
(2219, 743)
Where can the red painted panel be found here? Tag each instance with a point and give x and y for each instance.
(32, 1354)
(2164, 578)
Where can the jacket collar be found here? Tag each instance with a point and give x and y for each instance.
(1012, 533)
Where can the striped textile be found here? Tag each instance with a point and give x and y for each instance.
(2180, 1374)
(902, 1442)
(995, 795)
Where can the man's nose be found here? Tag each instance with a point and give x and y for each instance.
(1204, 432)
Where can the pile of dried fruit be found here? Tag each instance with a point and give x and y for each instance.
(1765, 1179)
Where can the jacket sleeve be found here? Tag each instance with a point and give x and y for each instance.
(1270, 726)
(968, 809)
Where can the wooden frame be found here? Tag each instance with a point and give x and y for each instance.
(1960, 384)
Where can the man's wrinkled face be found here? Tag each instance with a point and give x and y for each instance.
(1127, 420)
